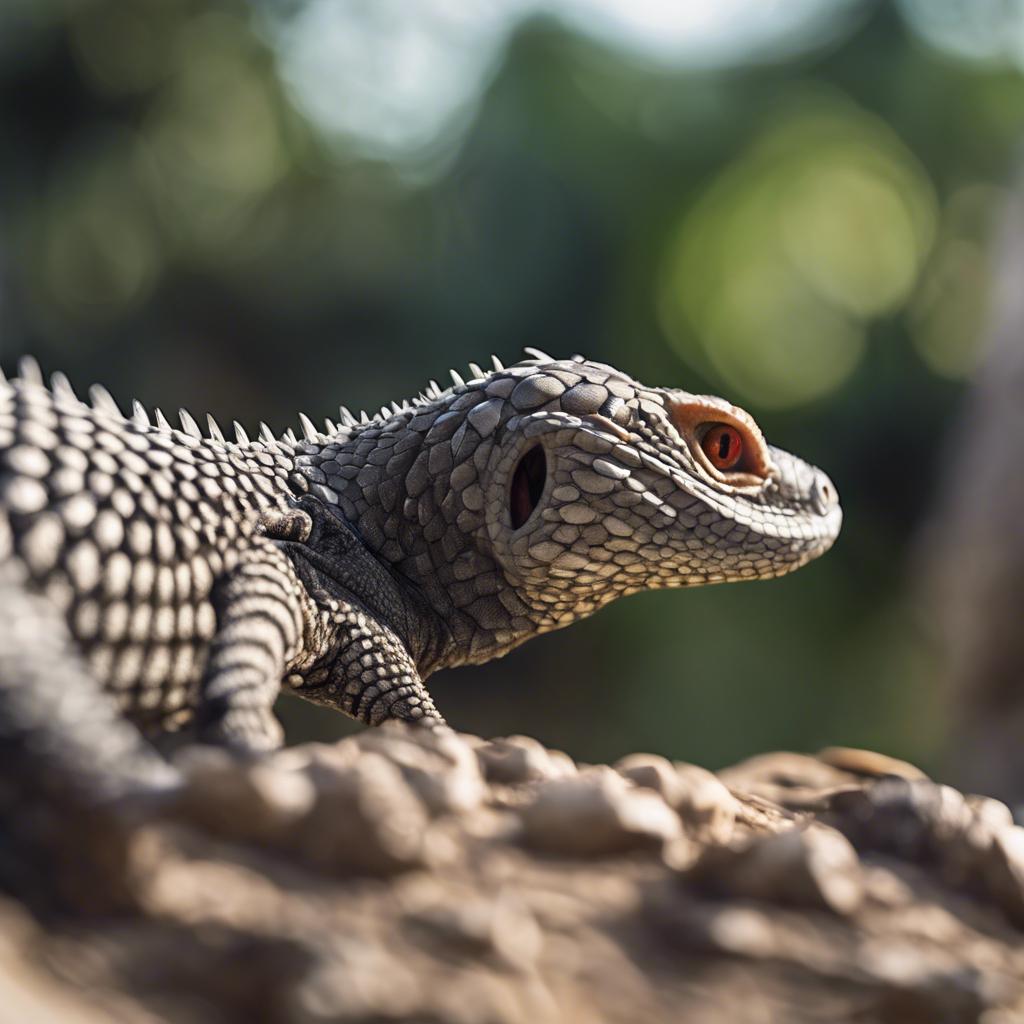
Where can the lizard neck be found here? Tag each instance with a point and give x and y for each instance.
(409, 488)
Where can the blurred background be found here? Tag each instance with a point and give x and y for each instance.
(261, 208)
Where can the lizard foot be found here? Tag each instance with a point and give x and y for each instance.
(244, 731)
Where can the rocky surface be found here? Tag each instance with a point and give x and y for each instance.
(403, 875)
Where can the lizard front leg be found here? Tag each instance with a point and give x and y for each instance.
(263, 613)
(360, 660)
(369, 674)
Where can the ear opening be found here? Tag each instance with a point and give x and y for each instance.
(527, 485)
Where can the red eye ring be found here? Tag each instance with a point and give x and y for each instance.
(723, 445)
(724, 440)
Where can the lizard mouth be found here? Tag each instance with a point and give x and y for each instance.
(810, 526)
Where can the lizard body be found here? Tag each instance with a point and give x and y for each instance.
(198, 575)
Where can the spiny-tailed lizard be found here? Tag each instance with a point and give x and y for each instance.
(187, 579)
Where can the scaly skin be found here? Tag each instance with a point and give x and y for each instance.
(197, 575)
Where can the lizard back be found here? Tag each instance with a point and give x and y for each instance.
(124, 527)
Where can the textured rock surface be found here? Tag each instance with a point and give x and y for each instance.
(399, 875)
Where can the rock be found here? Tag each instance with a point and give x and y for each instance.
(352, 982)
(885, 888)
(597, 813)
(292, 759)
(970, 840)
(357, 881)
(651, 771)
(246, 802)
(868, 762)
(366, 820)
(808, 867)
(916, 983)
(989, 815)
(757, 816)
(795, 781)
(1003, 870)
(440, 766)
(516, 759)
(913, 819)
(502, 928)
(704, 804)
(965, 855)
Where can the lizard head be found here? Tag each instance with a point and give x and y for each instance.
(525, 498)
(599, 486)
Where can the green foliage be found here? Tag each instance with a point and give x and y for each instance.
(807, 235)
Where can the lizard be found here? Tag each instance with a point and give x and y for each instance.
(197, 576)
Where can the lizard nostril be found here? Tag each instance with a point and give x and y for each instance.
(823, 495)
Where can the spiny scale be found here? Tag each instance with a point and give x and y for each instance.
(189, 425)
(214, 428)
(103, 400)
(308, 430)
(61, 387)
(535, 353)
(28, 371)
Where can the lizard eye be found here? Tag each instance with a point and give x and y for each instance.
(527, 485)
(723, 445)
(724, 440)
